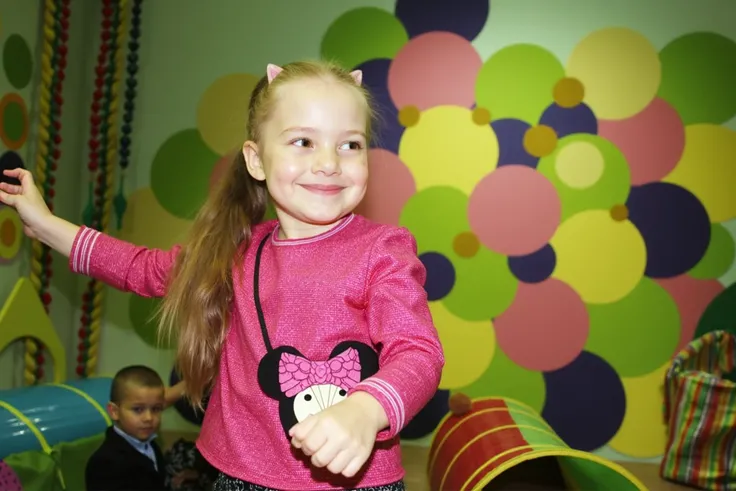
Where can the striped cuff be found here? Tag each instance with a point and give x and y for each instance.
(389, 399)
(79, 259)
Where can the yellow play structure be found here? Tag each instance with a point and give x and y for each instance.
(24, 316)
(48, 431)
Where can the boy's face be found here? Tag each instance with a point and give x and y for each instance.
(139, 412)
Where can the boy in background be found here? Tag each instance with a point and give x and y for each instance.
(130, 459)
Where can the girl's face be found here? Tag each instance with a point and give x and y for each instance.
(313, 155)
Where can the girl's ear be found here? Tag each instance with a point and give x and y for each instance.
(253, 161)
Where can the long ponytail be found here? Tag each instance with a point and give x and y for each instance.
(198, 300)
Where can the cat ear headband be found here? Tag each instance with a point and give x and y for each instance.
(273, 70)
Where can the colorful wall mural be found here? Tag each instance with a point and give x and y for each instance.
(14, 128)
(570, 213)
(573, 214)
(17, 76)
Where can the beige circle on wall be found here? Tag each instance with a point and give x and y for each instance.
(579, 165)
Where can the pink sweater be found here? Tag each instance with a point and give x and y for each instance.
(328, 302)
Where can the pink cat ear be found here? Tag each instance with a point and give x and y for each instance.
(357, 76)
(272, 70)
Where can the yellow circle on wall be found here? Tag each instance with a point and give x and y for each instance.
(430, 149)
(147, 223)
(619, 69)
(468, 346)
(600, 258)
(222, 112)
(11, 233)
(643, 433)
(706, 169)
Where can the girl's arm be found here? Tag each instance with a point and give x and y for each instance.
(115, 262)
(58, 234)
(399, 319)
(120, 264)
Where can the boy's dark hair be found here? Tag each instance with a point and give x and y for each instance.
(138, 375)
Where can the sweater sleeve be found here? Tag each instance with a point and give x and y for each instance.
(410, 354)
(122, 265)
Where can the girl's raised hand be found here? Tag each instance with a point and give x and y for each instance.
(26, 200)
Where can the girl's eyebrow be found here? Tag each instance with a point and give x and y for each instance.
(306, 129)
(356, 132)
(299, 129)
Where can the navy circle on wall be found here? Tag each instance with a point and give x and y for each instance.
(429, 417)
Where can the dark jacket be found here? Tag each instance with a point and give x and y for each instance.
(117, 466)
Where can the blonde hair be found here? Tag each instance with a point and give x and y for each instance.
(197, 303)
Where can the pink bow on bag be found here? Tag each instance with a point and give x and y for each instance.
(297, 374)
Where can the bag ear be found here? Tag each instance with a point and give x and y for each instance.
(272, 71)
(357, 76)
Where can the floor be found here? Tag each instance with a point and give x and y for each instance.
(415, 463)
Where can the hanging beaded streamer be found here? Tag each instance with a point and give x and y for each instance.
(134, 35)
(103, 150)
(54, 36)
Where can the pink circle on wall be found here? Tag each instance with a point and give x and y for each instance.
(390, 185)
(692, 297)
(434, 69)
(514, 210)
(545, 328)
(652, 140)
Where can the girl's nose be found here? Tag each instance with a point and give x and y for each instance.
(327, 162)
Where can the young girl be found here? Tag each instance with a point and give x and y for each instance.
(314, 329)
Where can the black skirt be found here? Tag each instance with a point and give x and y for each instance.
(227, 483)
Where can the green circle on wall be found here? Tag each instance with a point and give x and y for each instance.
(484, 286)
(720, 313)
(435, 227)
(719, 316)
(610, 189)
(517, 82)
(638, 333)
(142, 312)
(718, 257)
(17, 61)
(180, 173)
(14, 121)
(363, 34)
(698, 76)
(504, 378)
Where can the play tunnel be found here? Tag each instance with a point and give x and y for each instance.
(40, 417)
(502, 444)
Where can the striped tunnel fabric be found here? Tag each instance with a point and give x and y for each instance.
(700, 411)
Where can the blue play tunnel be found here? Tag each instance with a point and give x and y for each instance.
(37, 418)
